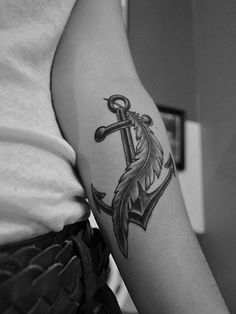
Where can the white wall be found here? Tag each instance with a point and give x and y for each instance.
(215, 25)
(191, 177)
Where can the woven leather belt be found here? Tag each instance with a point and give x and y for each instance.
(55, 273)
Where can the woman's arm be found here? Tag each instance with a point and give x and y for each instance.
(126, 165)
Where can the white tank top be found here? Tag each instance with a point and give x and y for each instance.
(39, 188)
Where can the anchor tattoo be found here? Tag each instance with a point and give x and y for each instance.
(133, 202)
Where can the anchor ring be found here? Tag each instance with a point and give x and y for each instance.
(112, 103)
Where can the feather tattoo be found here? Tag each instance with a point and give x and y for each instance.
(144, 164)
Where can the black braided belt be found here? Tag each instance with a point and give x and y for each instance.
(55, 273)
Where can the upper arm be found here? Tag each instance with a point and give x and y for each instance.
(99, 44)
(153, 244)
(93, 54)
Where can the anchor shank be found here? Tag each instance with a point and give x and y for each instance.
(126, 137)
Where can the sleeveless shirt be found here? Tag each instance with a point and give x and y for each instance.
(40, 190)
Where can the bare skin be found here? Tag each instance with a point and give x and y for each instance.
(159, 258)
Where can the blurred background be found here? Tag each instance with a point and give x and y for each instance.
(185, 54)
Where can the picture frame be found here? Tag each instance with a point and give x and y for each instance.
(125, 12)
(174, 120)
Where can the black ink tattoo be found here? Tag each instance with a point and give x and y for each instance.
(132, 202)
